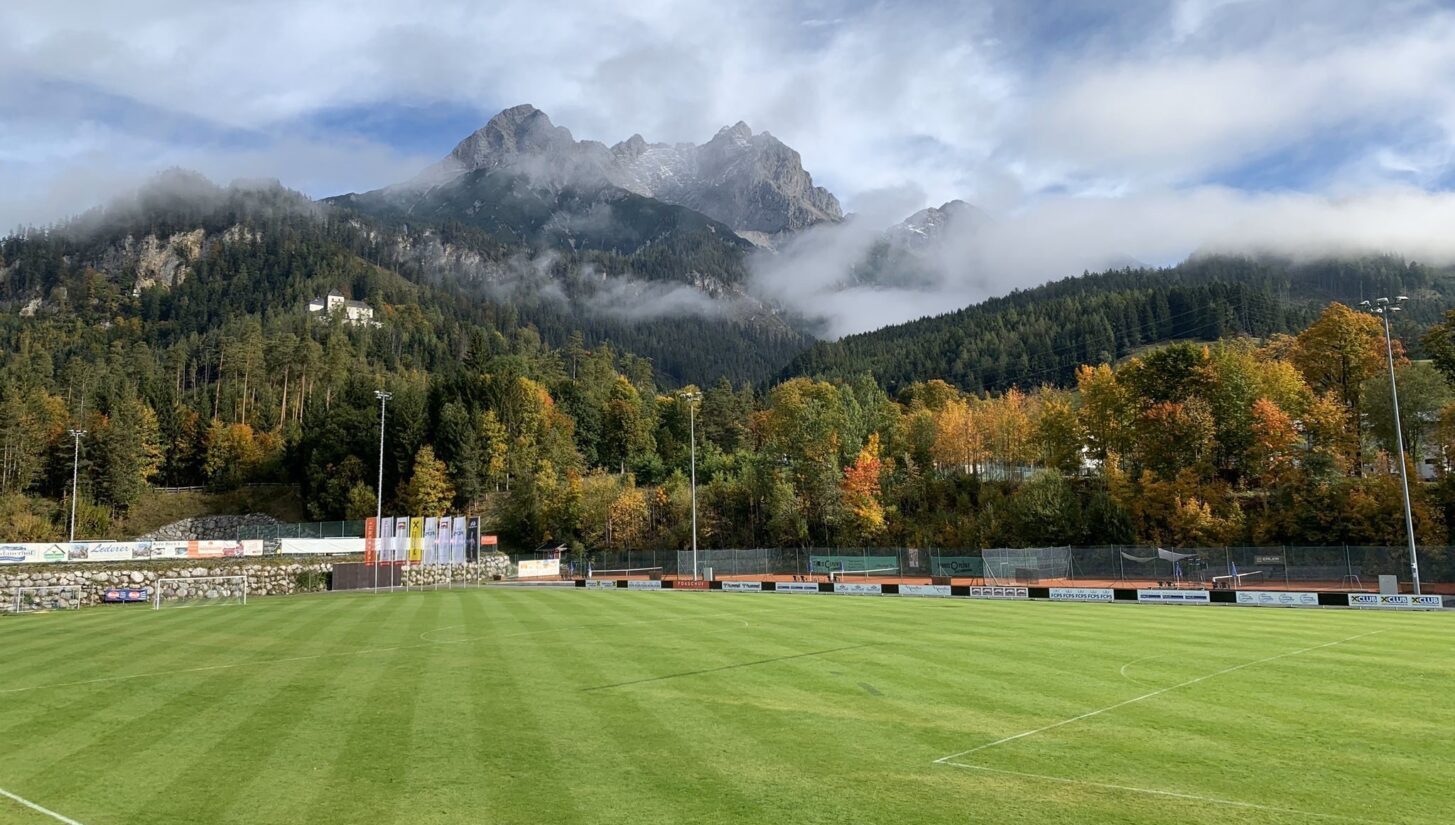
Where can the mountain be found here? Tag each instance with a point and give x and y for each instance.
(918, 251)
(753, 183)
(1039, 336)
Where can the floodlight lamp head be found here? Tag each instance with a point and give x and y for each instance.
(1401, 299)
(383, 396)
(1364, 304)
(1381, 301)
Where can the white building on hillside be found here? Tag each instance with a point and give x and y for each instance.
(354, 312)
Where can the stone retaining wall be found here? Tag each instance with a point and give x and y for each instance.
(213, 527)
(266, 577)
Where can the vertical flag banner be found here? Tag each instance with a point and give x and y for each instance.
(371, 541)
(386, 540)
(431, 537)
(472, 538)
(444, 540)
(416, 540)
(457, 547)
(401, 540)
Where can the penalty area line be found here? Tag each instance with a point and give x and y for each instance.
(1145, 696)
(1211, 800)
(38, 808)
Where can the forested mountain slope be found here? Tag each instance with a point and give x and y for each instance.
(1041, 335)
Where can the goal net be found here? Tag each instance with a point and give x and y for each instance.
(1026, 565)
(201, 591)
(41, 598)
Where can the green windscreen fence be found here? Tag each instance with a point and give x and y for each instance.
(853, 563)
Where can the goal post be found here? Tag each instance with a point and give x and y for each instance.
(39, 598)
(200, 591)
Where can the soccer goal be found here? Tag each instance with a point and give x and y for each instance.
(42, 598)
(1026, 565)
(201, 591)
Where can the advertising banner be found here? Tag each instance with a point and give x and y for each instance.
(999, 593)
(472, 538)
(385, 551)
(601, 584)
(537, 568)
(796, 587)
(1398, 602)
(924, 590)
(1082, 594)
(689, 584)
(1278, 598)
(371, 541)
(124, 595)
(112, 551)
(743, 587)
(24, 553)
(856, 589)
(416, 540)
(1157, 596)
(636, 584)
(320, 547)
(401, 540)
(457, 543)
(431, 539)
(445, 541)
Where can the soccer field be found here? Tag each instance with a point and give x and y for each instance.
(572, 706)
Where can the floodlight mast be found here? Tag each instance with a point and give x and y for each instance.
(1384, 308)
(379, 494)
(76, 435)
(692, 398)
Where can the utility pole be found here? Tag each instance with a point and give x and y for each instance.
(379, 492)
(1384, 308)
(75, 472)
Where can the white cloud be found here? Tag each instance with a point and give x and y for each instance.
(1089, 145)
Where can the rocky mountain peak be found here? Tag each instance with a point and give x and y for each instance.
(519, 130)
(751, 182)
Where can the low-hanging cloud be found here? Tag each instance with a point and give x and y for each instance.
(1057, 237)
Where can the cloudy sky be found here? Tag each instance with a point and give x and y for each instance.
(1090, 130)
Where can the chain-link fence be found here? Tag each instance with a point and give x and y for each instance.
(1338, 567)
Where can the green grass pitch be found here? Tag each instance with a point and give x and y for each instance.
(570, 706)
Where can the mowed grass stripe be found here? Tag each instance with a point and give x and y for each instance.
(212, 722)
(496, 721)
(270, 718)
(103, 722)
(319, 724)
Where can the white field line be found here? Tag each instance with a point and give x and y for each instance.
(1123, 670)
(37, 808)
(1145, 696)
(1156, 792)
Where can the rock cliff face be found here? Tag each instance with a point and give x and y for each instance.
(754, 183)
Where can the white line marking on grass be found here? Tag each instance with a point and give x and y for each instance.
(1157, 792)
(34, 807)
(1123, 670)
(1146, 696)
